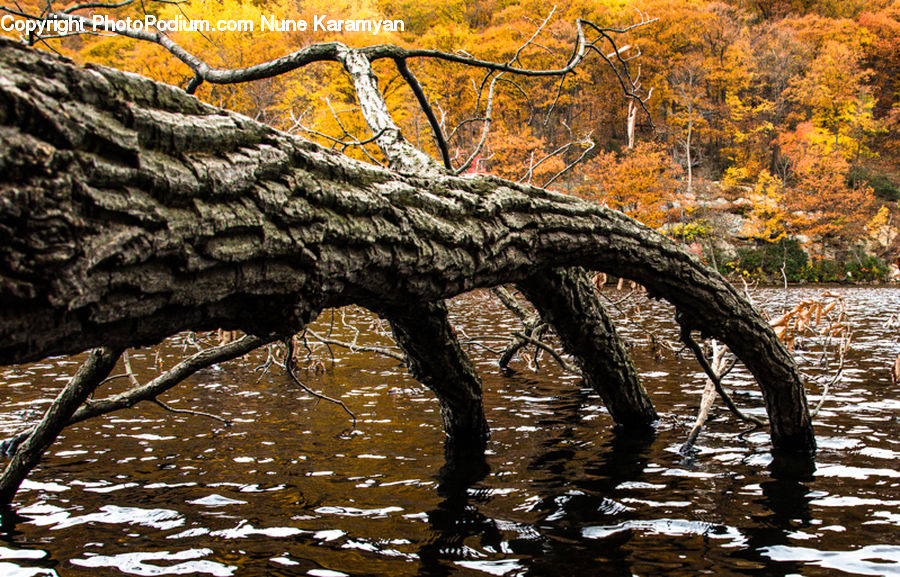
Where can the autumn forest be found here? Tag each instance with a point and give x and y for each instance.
(762, 134)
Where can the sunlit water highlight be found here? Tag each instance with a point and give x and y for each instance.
(291, 489)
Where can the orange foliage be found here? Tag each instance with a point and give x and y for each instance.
(783, 101)
(820, 204)
(643, 183)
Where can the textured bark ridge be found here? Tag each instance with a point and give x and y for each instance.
(133, 211)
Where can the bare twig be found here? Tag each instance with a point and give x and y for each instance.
(556, 356)
(485, 128)
(271, 359)
(842, 350)
(476, 341)
(716, 379)
(129, 372)
(655, 340)
(357, 62)
(191, 412)
(290, 369)
(357, 347)
(571, 165)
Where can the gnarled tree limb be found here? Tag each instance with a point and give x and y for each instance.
(134, 211)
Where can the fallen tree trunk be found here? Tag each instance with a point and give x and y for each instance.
(134, 211)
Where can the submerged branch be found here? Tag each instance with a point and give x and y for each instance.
(716, 379)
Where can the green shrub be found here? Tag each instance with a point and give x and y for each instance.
(867, 268)
(880, 182)
(765, 262)
(823, 270)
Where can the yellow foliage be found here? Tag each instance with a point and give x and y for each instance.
(641, 182)
(767, 219)
(881, 229)
(749, 90)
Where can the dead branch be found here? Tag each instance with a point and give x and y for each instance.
(485, 128)
(192, 412)
(654, 339)
(842, 351)
(290, 369)
(425, 105)
(556, 356)
(591, 145)
(716, 379)
(150, 391)
(534, 328)
(90, 374)
(385, 131)
(355, 347)
(708, 396)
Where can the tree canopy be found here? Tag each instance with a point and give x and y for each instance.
(801, 95)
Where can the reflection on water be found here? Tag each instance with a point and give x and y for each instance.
(291, 489)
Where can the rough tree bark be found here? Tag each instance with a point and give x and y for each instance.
(559, 291)
(444, 366)
(434, 355)
(437, 360)
(134, 211)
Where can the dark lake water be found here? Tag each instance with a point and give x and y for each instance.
(292, 489)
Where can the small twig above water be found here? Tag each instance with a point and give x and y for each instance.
(192, 412)
(290, 369)
(355, 347)
(556, 356)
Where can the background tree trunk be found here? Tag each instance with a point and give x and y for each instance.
(134, 211)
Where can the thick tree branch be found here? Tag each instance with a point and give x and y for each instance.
(436, 359)
(133, 211)
(611, 374)
(95, 368)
